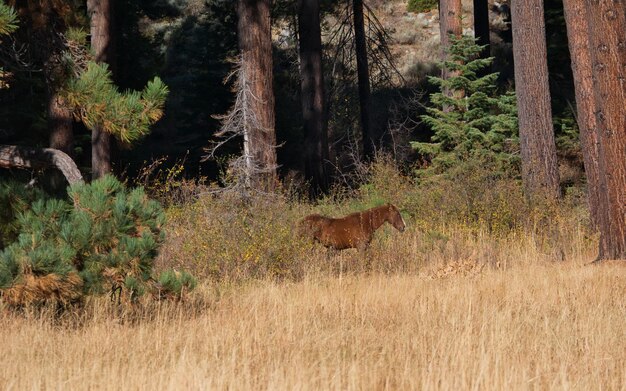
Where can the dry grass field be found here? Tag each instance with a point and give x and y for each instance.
(534, 323)
(481, 292)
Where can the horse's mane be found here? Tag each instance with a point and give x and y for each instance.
(368, 211)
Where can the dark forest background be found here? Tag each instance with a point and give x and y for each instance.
(190, 46)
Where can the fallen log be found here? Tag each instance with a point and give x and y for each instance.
(13, 156)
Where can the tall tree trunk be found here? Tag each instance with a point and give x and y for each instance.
(60, 124)
(365, 95)
(312, 89)
(607, 23)
(255, 43)
(450, 12)
(578, 40)
(100, 13)
(481, 27)
(539, 164)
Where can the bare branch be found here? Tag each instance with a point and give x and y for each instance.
(12, 156)
(239, 122)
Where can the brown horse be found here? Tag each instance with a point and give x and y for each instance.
(355, 230)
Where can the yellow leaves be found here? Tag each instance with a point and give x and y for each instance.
(221, 238)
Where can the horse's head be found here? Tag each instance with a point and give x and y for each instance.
(395, 218)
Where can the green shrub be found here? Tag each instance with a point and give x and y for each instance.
(106, 238)
(15, 198)
(421, 5)
(175, 283)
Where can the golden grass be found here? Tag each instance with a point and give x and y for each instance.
(480, 292)
(529, 324)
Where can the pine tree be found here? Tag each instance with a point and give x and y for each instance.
(578, 40)
(479, 125)
(78, 88)
(96, 101)
(316, 152)
(540, 173)
(105, 239)
(363, 78)
(8, 24)
(450, 12)
(15, 199)
(607, 22)
(255, 43)
(174, 284)
(102, 44)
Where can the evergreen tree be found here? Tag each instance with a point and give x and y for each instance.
(96, 101)
(316, 152)
(363, 80)
(607, 22)
(450, 12)
(579, 45)
(8, 24)
(173, 284)
(15, 199)
(54, 39)
(255, 44)
(540, 173)
(481, 124)
(106, 239)
(102, 44)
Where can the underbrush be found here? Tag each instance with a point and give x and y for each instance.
(226, 237)
(474, 217)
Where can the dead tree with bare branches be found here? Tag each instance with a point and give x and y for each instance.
(239, 123)
(255, 44)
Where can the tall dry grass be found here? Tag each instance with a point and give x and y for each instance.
(480, 292)
(534, 325)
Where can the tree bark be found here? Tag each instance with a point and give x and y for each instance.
(578, 41)
(100, 13)
(12, 156)
(255, 44)
(365, 95)
(450, 12)
(312, 89)
(607, 23)
(481, 28)
(60, 123)
(539, 164)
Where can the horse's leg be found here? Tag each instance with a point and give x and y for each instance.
(331, 255)
(366, 253)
